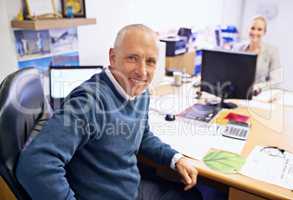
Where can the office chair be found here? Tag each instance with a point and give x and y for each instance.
(23, 111)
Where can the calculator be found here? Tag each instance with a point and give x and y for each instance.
(236, 130)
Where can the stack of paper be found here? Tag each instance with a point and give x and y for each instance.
(275, 167)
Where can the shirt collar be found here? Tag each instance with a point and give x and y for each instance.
(118, 87)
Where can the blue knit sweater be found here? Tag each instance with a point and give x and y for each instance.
(88, 149)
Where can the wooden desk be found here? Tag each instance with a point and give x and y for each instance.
(268, 127)
(260, 135)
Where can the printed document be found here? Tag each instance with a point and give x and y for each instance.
(272, 167)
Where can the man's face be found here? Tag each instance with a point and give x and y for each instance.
(133, 62)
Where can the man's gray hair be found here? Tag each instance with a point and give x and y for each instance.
(121, 33)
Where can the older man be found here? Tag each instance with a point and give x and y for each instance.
(88, 150)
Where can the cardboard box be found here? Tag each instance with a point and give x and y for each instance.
(184, 62)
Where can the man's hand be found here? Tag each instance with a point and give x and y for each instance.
(187, 171)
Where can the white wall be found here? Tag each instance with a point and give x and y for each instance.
(161, 15)
(7, 52)
(280, 31)
(111, 15)
(94, 41)
(232, 12)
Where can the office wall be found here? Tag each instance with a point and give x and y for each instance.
(95, 40)
(7, 51)
(279, 33)
(232, 12)
(160, 15)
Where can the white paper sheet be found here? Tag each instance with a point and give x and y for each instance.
(257, 104)
(278, 96)
(277, 170)
(193, 139)
(268, 95)
(170, 104)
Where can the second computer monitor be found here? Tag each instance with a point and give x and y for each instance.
(63, 79)
(228, 74)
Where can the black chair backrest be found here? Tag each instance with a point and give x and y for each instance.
(22, 107)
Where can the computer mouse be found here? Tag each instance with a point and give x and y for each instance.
(169, 117)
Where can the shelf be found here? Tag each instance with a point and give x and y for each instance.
(51, 23)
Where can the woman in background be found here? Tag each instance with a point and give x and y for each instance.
(268, 65)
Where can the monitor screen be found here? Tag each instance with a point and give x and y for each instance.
(64, 79)
(228, 74)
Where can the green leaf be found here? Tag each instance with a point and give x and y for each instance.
(223, 161)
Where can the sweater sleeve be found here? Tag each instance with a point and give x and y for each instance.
(41, 166)
(153, 148)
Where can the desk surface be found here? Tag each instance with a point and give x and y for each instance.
(268, 127)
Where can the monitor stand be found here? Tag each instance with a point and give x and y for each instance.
(223, 104)
(228, 105)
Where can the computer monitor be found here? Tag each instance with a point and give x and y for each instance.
(63, 79)
(228, 74)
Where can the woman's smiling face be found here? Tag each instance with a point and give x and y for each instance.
(257, 30)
